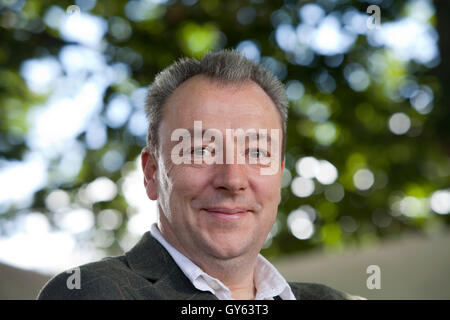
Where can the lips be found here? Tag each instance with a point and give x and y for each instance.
(228, 214)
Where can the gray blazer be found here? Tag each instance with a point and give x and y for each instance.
(148, 272)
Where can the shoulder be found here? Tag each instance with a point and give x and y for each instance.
(97, 280)
(316, 291)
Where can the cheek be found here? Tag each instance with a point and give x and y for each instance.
(268, 189)
(188, 184)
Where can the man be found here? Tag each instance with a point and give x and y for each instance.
(214, 211)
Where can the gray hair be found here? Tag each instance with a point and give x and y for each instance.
(226, 67)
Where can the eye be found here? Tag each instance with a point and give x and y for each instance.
(257, 153)
(201, 151)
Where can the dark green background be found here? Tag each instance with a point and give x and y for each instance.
(413, 164)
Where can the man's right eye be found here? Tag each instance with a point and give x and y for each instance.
(201, 151)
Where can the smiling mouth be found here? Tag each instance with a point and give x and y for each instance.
(227, 214)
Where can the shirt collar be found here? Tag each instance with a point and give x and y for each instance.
(268, 281)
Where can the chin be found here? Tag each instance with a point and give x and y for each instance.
(227, 247)
(227, 253)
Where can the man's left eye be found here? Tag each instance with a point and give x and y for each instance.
(257, 153)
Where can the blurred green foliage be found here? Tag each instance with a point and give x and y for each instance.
(343, 122)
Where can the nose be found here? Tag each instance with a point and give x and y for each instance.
(231, 177)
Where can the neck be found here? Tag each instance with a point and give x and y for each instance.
(236, 273)
(244, 293)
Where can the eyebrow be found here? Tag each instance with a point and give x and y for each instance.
(191, 131)
(258, 135)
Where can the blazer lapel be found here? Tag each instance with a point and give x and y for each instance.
(149, 259)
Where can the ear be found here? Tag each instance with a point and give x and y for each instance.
(282, 169)
(149, 167)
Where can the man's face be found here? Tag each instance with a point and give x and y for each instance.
(220, 210)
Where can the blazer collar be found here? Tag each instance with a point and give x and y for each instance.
(149, 259)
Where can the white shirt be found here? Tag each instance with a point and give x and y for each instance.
(268, 281)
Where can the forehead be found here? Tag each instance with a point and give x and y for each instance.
(218, 105)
